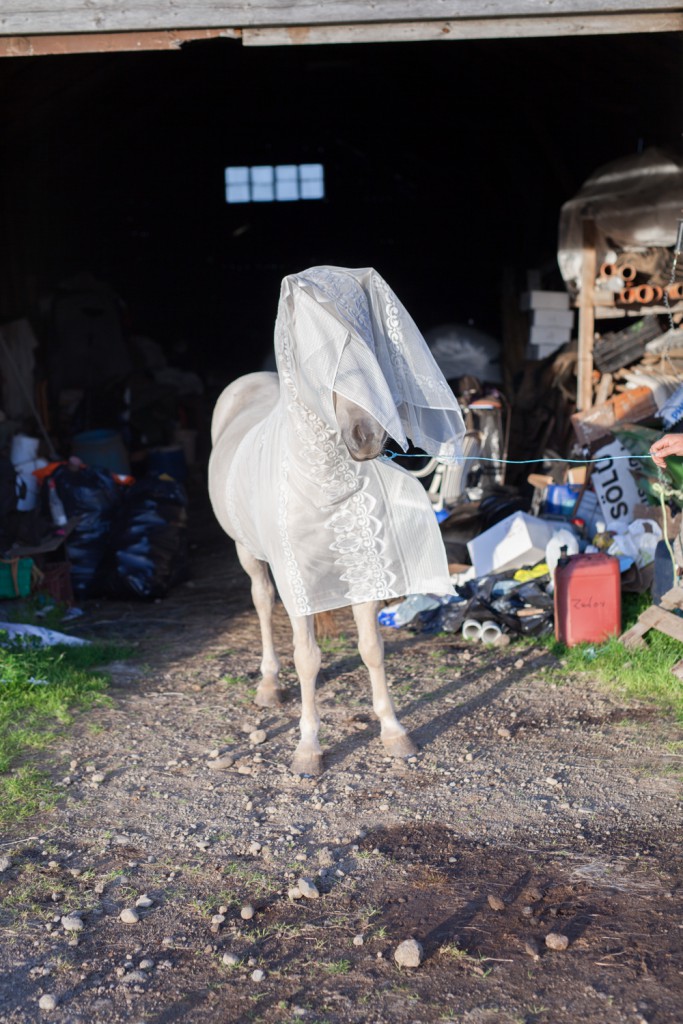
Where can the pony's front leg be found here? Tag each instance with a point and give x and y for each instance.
(396, 740)
(269, 692)
(308, 758)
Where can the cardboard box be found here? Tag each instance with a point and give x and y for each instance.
(540, 351)
(576, 474)
(553, 336)
(543, 300)
(553, 318)
(513, 543)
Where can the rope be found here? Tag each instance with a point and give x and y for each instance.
(389, 456)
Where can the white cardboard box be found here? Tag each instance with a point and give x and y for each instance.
(543, 300)
(549, 336)
(539, 352)
(552, 318)
(514, 542)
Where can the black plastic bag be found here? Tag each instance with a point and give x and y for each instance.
(92, 495)
(147, 552)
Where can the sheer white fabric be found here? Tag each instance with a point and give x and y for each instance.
(334, 531)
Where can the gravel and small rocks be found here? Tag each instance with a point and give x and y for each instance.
(414, 849)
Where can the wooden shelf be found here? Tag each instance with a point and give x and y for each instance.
(590, 309)
(614, 312)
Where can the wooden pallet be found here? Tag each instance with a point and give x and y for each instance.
(662, 617)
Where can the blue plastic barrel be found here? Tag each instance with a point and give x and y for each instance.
(102, 448)
(169, 460)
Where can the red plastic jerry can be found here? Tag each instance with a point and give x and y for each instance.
(587, 599)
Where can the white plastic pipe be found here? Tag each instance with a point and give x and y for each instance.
(490, 631)
(471, 629)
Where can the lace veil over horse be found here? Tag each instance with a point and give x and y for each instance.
(333, 530)
(336, 528)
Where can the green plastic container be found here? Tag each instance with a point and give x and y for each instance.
(15, 577)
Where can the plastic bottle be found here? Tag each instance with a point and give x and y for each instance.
(401, 614)
(57, 510)
(560, 539)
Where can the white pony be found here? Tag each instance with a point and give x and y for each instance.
(295, 480)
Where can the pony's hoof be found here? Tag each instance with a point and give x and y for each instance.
(400, 746)
(306, 763)
(269, 696)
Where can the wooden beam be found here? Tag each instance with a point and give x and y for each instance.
(106, 42)
(584, 390)
(470, 28)
(53, 17)
(385, 32)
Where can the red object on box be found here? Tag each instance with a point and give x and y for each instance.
(587, 599)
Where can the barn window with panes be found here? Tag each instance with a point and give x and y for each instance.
(274, 183)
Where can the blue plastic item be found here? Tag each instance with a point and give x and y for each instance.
(560, 499)
(103, 448)
(169, 460)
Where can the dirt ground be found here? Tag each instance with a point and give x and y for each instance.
(538, 804)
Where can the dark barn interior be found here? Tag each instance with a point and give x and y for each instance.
(444, 165)
(445, 168)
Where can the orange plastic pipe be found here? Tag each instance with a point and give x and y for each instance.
(645, 293)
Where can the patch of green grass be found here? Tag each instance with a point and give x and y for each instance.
(338, 967)
(31, 894)
(256, 882)
(25, 792)
(332, 644)
(36, 611)
(39, 689)
(642, 673)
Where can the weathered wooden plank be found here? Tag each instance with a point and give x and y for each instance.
(633, 637)
(31, 17)
(106, 42)
(474, 28)
(654, 617)
(672, 599)
(584, 390)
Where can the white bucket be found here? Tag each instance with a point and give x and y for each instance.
(187, 439)
(27, 482)
(23, 449)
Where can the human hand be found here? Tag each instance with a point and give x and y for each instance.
(669, 444)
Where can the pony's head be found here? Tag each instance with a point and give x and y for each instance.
(363, 436)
